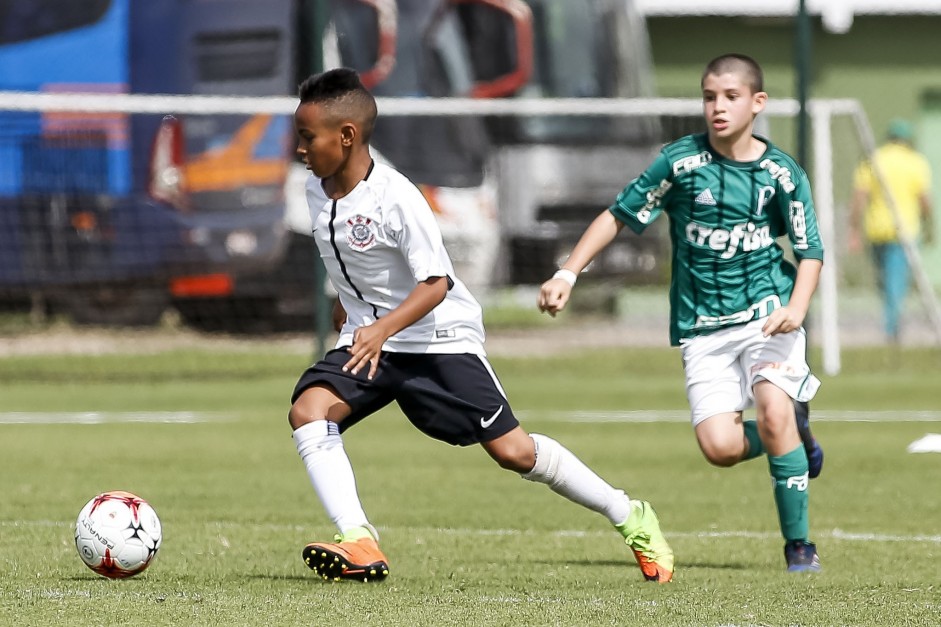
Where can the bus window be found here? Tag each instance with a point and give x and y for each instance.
(431, 59)
(237, 55)
(579, 54)
(23, 21)
(498, 38)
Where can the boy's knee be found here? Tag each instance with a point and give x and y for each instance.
(722, 458)
(516, 453)
(517, 458)
(723, 452)
(722, 438)
(777, 419)
(295, 418)
(302, 413)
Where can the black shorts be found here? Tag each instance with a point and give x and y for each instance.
(453, 398)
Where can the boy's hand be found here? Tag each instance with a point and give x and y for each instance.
(553, 295)
(782, 320)
(366, 348)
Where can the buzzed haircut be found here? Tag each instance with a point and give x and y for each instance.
(741, 64)
(344, 95)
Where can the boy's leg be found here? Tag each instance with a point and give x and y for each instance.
(541, 459)
(355, 554)
(787, 462)
(896, 280)
(811, 446)
(459, 400)
(726, 439)
(716, 388)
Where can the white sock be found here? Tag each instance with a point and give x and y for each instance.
(321, 449)
(565, 474)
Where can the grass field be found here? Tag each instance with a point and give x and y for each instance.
(469, 544)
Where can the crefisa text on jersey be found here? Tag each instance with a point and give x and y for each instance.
(748, 235)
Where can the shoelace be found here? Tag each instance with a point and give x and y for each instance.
(638, 539)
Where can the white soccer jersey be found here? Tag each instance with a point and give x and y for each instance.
(377, 243)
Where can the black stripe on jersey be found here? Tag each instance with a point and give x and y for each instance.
(336, 251)
(690, 253)
(372, 164)
(747, 266)
(720, 293)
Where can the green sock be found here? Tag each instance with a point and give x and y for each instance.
(755, 447)
(789, 473)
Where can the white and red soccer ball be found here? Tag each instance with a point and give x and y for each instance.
(117, 534)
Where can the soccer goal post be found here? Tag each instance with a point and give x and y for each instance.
(546, 135)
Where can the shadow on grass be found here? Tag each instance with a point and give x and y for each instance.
(312, 578)
(627, 562)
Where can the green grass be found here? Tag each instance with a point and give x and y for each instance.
(469, 544)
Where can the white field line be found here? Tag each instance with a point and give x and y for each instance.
(672, 415)
(103, 417)
(834, 534)
(643, 416)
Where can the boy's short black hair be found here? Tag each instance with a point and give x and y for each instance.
(344, 94)
(743, 64)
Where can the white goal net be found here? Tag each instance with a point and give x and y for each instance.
(212, 184)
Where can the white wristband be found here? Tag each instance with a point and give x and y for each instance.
(566, 275)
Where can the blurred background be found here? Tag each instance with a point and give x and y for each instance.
(133, 220)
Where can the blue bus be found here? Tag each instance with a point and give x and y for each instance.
(113, 217)
(110, 216)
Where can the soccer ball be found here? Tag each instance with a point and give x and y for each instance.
(117, 534)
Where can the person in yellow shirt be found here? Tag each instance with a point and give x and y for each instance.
(908, 176)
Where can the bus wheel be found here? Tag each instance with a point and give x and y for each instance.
(117, 306)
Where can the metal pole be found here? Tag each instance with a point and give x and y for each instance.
(823, 201)
(803, 54)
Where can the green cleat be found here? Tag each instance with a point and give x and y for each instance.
(642, 534)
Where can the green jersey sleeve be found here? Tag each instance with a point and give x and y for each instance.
(796, 205)
(643, 200)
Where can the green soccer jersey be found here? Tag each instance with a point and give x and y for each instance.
(725, 217)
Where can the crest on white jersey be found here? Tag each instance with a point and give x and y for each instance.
(361, 233)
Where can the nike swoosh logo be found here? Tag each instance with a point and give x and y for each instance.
(486, 423)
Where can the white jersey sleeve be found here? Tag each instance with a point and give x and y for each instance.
(412, 223)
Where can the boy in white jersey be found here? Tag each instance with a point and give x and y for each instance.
(736, 305)
(410, 332)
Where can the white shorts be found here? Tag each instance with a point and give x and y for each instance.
(723, 367)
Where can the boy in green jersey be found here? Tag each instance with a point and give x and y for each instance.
(736, 305)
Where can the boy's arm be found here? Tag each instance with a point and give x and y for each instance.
(797, 206)
(411, 222)
(554, 293)
(791, 316)
(858, 204)
(368, 340)
(638, 204)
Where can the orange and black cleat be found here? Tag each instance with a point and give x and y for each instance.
(358, 559)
